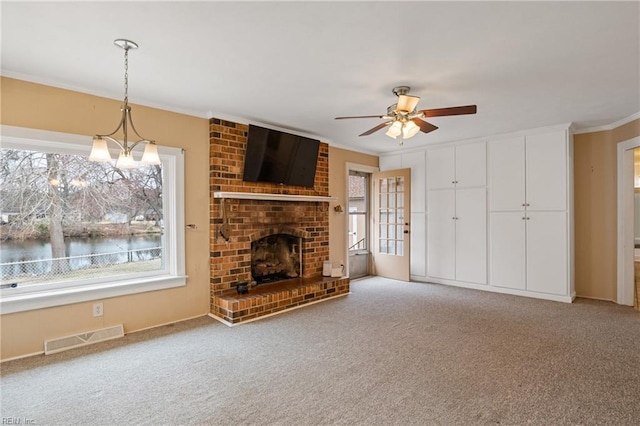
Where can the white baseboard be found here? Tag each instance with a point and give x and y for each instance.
(503, 290)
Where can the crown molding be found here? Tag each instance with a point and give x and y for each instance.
(101, 94)
(611, 126)
(527, 132)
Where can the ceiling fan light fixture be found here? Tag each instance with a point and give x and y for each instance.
(407, 103)
(409, 129)
(395, 129)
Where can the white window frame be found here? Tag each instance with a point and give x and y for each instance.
(83, 290)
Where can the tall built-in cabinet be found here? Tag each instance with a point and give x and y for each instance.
(494, 215)
(529, 204)
(457, 212)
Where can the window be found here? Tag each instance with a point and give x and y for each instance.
(73, 230)
(358, 211)
(390, 216)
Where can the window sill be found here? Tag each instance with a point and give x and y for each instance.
(58, 297)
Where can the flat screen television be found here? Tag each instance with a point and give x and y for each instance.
(279, 157)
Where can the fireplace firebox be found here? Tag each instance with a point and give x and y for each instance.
(276, 257)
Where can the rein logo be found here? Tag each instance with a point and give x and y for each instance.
(17, 421)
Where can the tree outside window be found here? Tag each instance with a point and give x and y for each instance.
(60, 200)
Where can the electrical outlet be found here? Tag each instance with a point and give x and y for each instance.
(98, 309)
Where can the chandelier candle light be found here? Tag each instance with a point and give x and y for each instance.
(100, 150)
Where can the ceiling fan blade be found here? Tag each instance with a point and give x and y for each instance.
(375, 129)
(407, 103)
(361, 116)
(424, 126)
(441, 112)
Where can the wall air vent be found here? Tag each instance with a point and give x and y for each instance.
(82, 339)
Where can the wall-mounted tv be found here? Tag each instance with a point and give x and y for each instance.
(278, 157)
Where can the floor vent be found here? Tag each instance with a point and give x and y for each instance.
(82, 339)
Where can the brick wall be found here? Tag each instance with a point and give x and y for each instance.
(253, 219)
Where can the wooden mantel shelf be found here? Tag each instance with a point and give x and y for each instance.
(272, 197)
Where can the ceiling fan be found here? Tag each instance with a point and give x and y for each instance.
(405, 121)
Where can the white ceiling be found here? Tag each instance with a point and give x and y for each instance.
(297, 65)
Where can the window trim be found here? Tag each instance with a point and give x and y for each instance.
(68, 292)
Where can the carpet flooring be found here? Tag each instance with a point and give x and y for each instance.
(390, 353)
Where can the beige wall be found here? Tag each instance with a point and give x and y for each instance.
(595, 192)
(338, 159)
(41, 107)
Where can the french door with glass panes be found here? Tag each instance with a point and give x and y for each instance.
(391, 217)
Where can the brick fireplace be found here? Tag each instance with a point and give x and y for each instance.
(250, 220)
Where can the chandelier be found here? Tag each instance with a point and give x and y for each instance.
(100, 150)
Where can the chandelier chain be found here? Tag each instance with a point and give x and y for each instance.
(126, 76)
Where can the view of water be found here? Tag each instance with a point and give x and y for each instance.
(20, 251)
(121, 249)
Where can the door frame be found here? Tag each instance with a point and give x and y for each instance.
(625, 213)
(358, 168)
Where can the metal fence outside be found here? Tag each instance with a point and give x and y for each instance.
(85, 266)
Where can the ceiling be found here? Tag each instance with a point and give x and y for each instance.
(297, 65)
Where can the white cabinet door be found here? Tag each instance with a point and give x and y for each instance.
(547, 252)
(471, 235)
(507, 174)
(441, 167)
(418, 263)
(507, 244)
(471, 165)
(546, 156)
(441, 232)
